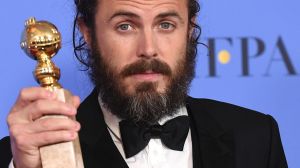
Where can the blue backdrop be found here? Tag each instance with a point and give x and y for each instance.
(254, 58)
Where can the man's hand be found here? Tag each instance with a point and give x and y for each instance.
(28, 132)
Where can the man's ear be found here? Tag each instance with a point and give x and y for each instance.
(85, 31)
(191, 28)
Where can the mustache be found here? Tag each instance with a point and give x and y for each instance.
(142, 66)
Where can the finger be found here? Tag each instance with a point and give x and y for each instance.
(50, 107)
(41, 108)
(46, 138)
(28, 141)
(28, 95)
(53, 124)
(43, 125)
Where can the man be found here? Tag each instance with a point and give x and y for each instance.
(141, 58)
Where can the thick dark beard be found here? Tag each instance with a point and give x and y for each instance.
(146, 105)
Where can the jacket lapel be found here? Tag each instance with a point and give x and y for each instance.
(97, 146)
(212, 146)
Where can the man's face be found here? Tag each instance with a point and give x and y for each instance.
(128, 31)
(139, 56)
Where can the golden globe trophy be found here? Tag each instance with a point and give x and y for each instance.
(41, 41)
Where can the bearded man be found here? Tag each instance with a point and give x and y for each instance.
(141, 57)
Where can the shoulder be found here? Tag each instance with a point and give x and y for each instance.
(230, 116)
(224, 110)
(5, 152)
(254, 134)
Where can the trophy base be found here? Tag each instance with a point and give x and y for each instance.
(62, 155)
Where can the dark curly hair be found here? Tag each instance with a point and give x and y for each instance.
(86, 10)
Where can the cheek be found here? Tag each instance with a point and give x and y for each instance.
(172, 49)
(116, 50)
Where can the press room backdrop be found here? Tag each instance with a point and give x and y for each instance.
(254, 58)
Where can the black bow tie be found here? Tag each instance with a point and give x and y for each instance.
(136, 137)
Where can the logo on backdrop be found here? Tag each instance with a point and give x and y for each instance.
(248, 49)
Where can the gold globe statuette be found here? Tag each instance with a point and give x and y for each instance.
(41, 41)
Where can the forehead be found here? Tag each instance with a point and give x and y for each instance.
(142, 7)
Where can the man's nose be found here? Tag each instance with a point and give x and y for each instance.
(147, 46)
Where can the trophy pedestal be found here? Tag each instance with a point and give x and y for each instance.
(62, 155)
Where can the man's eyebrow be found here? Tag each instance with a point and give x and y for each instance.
(124, 13)
(170, 14)
(160, 16)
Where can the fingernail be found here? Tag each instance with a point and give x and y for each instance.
(77, 126)
(73, 135)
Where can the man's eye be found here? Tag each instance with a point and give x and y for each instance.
(124, 27)
(166, 26)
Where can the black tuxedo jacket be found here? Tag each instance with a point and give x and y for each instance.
(223, 136)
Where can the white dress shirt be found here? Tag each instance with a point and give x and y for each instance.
(155, 154)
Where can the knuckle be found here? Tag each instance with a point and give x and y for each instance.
(20, 140)
(10, 119)
(22, 93)
(46, 124)
(14, 130)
